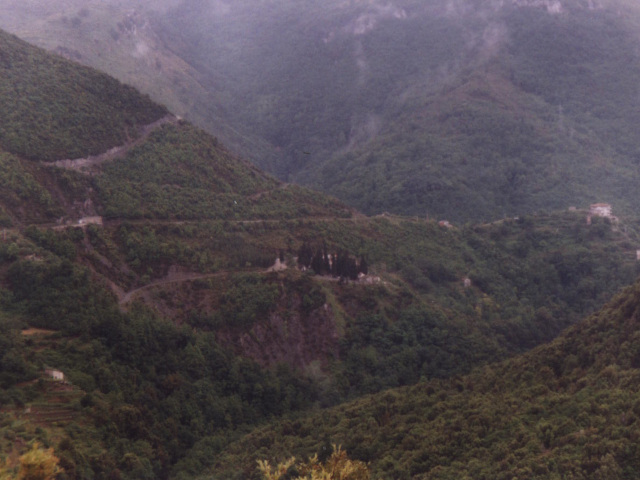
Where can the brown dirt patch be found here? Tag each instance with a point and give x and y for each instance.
(37, 331)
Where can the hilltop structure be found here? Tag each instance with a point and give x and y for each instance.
(600, 209)
(55, 374)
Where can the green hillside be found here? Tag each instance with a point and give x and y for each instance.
(182, 173)
(461, 110)
(176, 339)
(59, 114)
(189, 298)
(564, 410)
(53, 110)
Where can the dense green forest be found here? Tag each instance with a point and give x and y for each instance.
(171, 366)
(180, 172)
(568, 409)
(462, 110)
(52, 109)
(190, 301)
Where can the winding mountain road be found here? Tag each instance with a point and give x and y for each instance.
(169, 279)
(84, 165)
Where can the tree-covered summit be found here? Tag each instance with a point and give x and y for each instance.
(54, 109)
(464, 109)
(568, 409)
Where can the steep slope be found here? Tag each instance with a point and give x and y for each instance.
(567, 409)
(123, 38)
(456, 109)
(53, 110)
(181, 172)
(187, 297)
(76, 142)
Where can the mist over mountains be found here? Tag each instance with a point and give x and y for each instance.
(456, 109)
(169, 310)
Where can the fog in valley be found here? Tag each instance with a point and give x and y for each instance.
(446, 107)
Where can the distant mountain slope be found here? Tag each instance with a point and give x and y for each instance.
(188, 297)
(52, 110)
(467, 111)
(567, 409)
(454, 109)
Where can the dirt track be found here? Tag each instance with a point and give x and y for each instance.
(84, 165)
(170, 278)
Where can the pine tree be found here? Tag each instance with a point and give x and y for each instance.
(352, 268)
(325, 260)
(317, 264)
(305, 255)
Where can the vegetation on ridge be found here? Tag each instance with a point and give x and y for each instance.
(181, 172)
(565, 410)
(156, 296)
(52, 109)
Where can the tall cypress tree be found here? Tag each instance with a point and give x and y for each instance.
(364, 266)
(317, 264)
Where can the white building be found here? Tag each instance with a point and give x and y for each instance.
(55, 374)
(90, 221)
(600, 210)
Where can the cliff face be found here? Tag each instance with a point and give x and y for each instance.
(292, 337)
(281, 318)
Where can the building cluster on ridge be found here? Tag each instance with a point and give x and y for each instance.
(600, 210)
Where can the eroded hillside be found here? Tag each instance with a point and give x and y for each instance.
(565, 409)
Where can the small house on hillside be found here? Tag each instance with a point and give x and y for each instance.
(600, 210)
(90, 221)
(55, 374)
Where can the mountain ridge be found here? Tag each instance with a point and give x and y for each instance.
(566, 408)
(348, 84)
(149, 284)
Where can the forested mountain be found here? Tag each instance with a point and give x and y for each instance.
(568, 409)
(188, 298)
(453, 109)
(123, 39)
